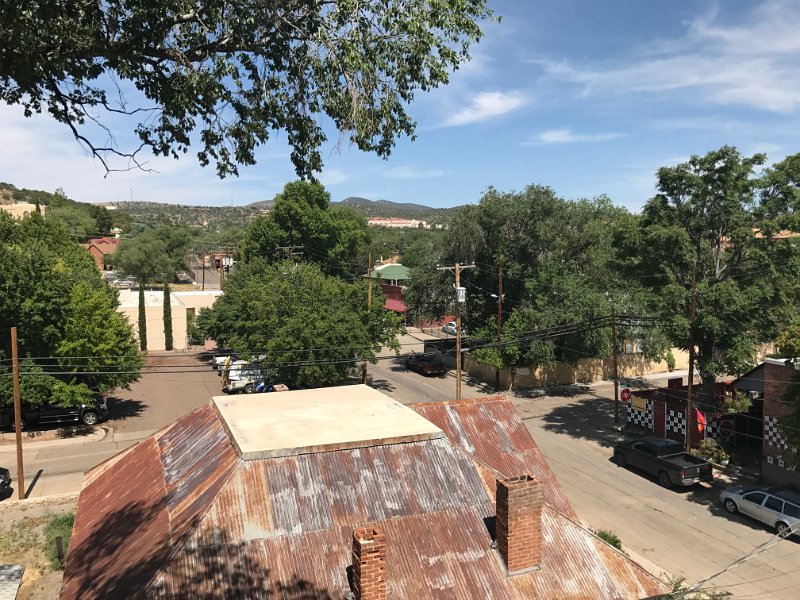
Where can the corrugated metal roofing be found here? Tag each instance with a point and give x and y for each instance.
(180, 515)
(133, 508)
(446, 554)
(492, 431)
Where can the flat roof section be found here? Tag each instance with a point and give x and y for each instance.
(320, 420)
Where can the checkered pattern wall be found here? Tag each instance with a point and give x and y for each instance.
(642, 418)
(773, 435)
(720, 429)
(675, 421)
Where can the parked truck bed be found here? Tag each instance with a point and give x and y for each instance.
(664, 459)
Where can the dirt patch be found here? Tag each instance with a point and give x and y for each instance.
(22, 541)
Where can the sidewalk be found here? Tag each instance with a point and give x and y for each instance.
(55, 467)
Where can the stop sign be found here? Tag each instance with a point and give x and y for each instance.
(626, 395)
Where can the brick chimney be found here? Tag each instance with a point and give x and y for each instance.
(369, 563)
(519, 523)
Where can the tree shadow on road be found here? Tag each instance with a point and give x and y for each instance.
(590, 418)
(381, 384)
(120, 409)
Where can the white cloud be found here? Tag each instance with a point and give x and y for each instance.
(409, 172)
(333, 177)
(487, 105)
(751, 64)
(564, 136)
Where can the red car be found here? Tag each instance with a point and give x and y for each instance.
(425, 364)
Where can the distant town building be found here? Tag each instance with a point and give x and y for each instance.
(396, 223)
(20, 210)
(102, 249)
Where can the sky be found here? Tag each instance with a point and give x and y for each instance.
(585, 97)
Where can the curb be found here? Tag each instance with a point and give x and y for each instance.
(98, 435)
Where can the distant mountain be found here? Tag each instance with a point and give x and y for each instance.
(382, 208)
(386, 208)
(196, 215)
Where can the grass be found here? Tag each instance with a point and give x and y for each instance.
(58, 526)
(31, 541)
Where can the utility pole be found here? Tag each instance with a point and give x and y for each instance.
(203, 259)
(499, 318)
(689, 411)
(460, 296)
(369, 307)
(614, 363)
(17, 414)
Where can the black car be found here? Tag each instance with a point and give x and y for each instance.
(86, 414)
(5, 479)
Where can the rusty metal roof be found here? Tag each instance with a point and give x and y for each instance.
(491, 430)
(442, 555)
(181, 515)
(133, 508)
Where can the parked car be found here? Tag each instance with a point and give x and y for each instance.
(425, 364)
(779, 509)
(243, 376)
(86, 414)
(665, 459)
(122, 283)
(5, 479)
(451, 328)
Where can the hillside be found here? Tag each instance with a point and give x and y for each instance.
(150, 213)
(386, 208)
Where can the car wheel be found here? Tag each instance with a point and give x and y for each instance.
(664, 480)
(730, 506)
(12, 425)
(620, 459)
(248, 389)
(90, 419)
(783, 529)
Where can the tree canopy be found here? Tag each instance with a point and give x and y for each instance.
(718, 213)
(154, 253)
(68, 328)
(308, 328)
(302, 215)
(559, 267)
(230, 75)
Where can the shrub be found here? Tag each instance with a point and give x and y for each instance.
(670, 360)
(712, 451)
(58, 526)
(609, 537)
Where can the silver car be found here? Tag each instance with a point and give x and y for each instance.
(777, 508)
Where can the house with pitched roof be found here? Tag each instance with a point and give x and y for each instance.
(102, 249)
(338, 493)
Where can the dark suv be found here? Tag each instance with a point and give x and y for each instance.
(86, 414)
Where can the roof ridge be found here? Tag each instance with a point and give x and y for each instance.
(465, 401)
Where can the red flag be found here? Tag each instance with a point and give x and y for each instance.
(701, 420)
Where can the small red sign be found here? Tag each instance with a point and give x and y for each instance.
(625, 395)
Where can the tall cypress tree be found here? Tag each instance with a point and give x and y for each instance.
(167, 317)
(142, 319)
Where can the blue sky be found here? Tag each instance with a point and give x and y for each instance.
(586, 97)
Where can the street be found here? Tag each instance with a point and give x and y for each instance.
(673, 533)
